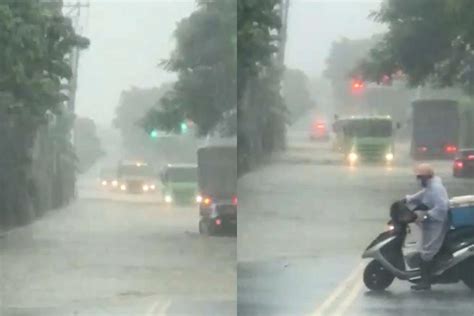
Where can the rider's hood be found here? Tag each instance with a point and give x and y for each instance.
(435, 181)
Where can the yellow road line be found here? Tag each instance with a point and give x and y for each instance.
(343, 286)
(159, 308)
(349, 299)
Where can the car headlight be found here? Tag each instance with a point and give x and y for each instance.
(168, 198)
(353, 157)
(198, 199)
(389, 157)
(115, 183)
(123, 187)
(145, 188)
(152, 187)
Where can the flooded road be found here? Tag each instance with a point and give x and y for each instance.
(116, 254)
(304, 222)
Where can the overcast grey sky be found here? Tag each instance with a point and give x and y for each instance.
(315, 24)
(128, 39)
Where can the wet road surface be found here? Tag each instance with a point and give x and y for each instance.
(303, 224)
(115, 254)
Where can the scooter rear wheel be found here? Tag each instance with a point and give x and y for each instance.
(467, 273)
(376, 277)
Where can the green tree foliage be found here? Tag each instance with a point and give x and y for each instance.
(428, 40)
(431, 42)
(262, 112)
(296, 93)
(258, 25)
(205, 61)
(36, 41)
(134, 104)
(209, 63)
(344, 56)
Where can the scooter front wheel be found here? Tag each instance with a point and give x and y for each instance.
(376, 277)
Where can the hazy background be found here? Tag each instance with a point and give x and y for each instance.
(128, 39)
(315, 24)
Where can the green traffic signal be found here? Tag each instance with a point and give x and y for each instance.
(154, 134)
(184, 127)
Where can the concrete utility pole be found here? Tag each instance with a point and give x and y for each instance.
(284, 9)
(73, 11)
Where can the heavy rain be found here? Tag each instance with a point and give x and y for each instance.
(373, 88)
(111, 201)
(236, 157)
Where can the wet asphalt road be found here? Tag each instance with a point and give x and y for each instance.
(303, 224)
(116, 254)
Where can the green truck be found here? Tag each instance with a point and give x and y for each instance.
(365, 139)
(180, 183)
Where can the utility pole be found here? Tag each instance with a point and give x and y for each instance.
(284, 9)
(73, 11)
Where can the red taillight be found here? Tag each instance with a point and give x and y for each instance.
(422, 149)
(450, 149)
(234, 200)
(470, 157)
(458, 164)
(320, 126)
(218, 221)
(207, 201)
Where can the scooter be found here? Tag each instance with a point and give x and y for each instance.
(454, 262)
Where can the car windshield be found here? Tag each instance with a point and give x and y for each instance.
(369, 128)
(182, 174)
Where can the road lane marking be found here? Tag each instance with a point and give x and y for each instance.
(349, 299)
(159, 308)
(343, 286)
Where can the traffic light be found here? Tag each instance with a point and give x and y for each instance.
(357, 86)
(184, 127)
(154, 133)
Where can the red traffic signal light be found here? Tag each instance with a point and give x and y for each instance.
(357, 86)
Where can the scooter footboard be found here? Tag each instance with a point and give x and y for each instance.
(462, 254)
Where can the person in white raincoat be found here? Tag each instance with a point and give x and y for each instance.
(434, 221)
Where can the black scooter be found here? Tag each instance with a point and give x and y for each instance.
(454, 262)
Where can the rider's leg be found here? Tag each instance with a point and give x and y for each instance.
(425, 283)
